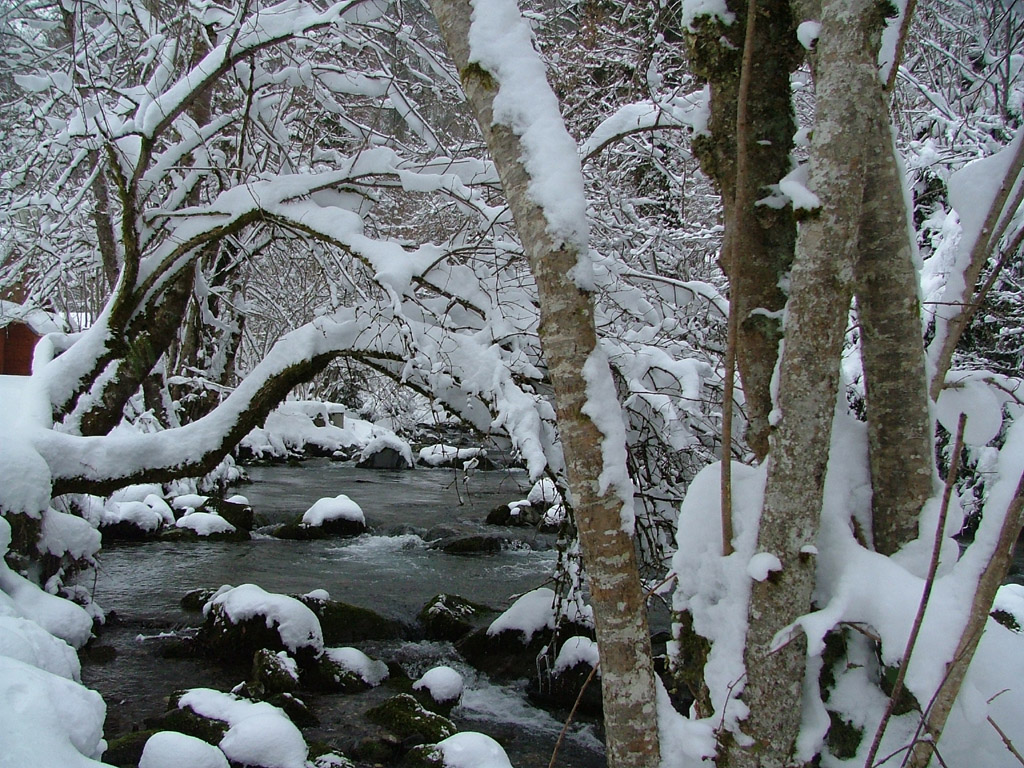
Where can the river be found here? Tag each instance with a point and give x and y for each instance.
(391, 570)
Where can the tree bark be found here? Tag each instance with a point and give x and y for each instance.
(816, 321)
(762, 239)
(899, 424)
(568, 338)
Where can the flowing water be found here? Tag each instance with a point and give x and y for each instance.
(391, 570)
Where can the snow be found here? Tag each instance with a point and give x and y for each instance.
(577, 649)
(138, 513)
(443, 683)
(976, 399)
(27, 642)
(605, 411)
(543, 492)
(436, 455)
(807, 32)
(388, 440)
(170, 749)
(49, 721)
(189, 501)
(472, 750)
(296, 624)
(534, 612)
(205, 523)
(372, 671)
(259, 735)
(694, 9)
(341, 507)
(19, 597)
(501, 42)
(794, 186)
(762, 565)
(68, 534)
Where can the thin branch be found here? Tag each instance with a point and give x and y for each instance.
(929, 582)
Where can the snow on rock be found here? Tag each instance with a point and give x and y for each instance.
(48, 720)
(470, 749)
(27, 642)
(383, 443)
(296, 624)
(438, 455)
(137, 492)
(544, 493)
(372, 671)
(134, 513)
(444, 684)
(341, 507)
(19, 597)
(260, 734)
(535, 612)
(188, 501)
(68, 534)
(575, 650)
(170, 749)
(205, 523)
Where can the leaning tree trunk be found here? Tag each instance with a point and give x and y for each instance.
(821, 292)
(568, 336)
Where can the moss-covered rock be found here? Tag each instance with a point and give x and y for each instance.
(195, 599)
(239, 515)
(403, 716)
(451, 617)
(560, 690)
(295, 708)
(188, 534)
(274, 672)
(424, 756)
(235, 642)
(343, 624)
(186, 720)
(475, 545)
(125, 751)
(327, 676)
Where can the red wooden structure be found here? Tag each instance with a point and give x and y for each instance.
(17, 343)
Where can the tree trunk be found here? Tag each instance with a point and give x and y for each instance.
(568, 338)
(762, 239)
(899, 424)
(821, 292)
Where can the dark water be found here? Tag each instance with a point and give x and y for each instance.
(391, 570)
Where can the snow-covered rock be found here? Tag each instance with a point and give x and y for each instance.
(241, 620)
(258, 735)
(387, 451)
(443, 683)
(472, 750)
(170, 749)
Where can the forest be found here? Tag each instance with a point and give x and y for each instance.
(743, 278)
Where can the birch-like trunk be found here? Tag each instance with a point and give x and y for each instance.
(820, 295)
(568, 337)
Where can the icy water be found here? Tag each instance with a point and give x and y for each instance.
(391, 570)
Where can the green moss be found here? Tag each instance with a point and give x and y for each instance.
(688, 664)
(843, 738)
(407, 719)
(473, 72)
(905, 702)
(125, 751)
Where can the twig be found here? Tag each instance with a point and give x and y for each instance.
(572, 714)
(1006, 740)
(929, 582)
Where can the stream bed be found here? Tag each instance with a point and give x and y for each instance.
(391, 570)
